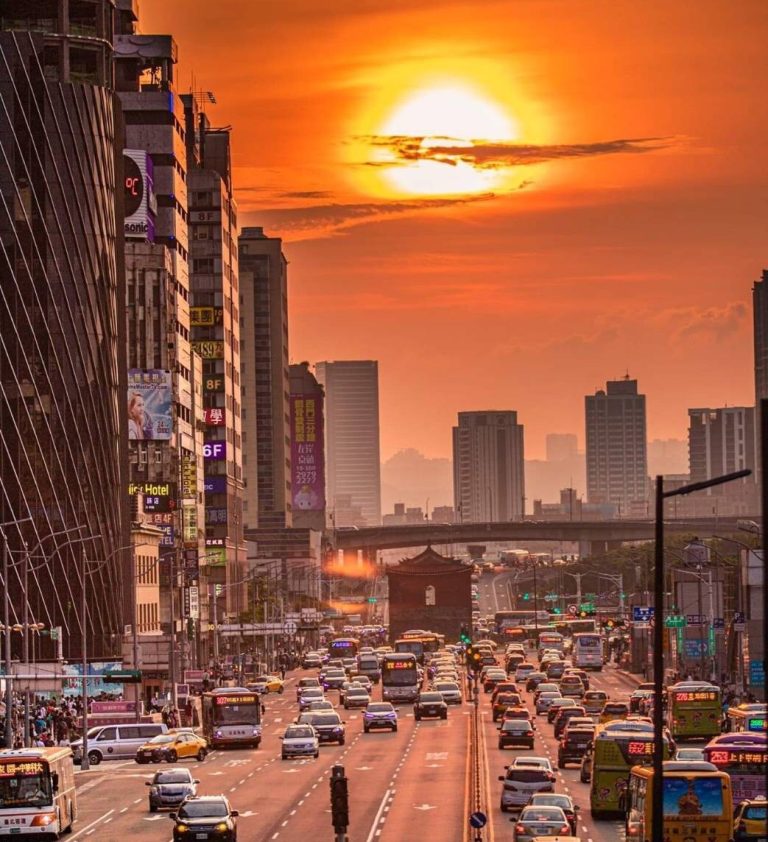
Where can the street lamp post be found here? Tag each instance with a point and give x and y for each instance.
(657, 817)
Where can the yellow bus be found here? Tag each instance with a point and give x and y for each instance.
(747, 717)
(698, 803)
(694, 709)
(614, 753)
(37, 792)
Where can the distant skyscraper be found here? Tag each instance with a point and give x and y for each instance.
(488, 472)
(265, 380)
(617, 470)
(760, 316)
(352, 439)
(721, 441)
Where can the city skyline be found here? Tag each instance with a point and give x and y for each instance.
(606, 255)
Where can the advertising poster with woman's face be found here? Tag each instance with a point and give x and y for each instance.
(150, 400)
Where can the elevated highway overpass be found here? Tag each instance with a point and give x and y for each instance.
(598, 536)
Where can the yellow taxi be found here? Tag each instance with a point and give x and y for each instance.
(267, 684)
(750, 820)
(175, 745)
(612, 711)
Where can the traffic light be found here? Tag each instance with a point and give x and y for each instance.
(474, 658)
(526, 596)
(339, 800)
(608, 624)
(464, 636)
(557, 610)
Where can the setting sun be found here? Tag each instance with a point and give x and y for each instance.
(458, 114)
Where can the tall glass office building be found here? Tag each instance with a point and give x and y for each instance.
(62, 346)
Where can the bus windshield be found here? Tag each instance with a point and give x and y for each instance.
(25, 784)
(694, 710)
(233, 710)
(344, 647)
(412, 646)
(398, 674)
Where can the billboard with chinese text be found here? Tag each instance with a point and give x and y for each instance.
(150, 404)
(307, 453)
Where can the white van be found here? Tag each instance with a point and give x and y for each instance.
(116, 742)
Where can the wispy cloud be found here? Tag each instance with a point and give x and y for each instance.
(324, 220)
(485, 154)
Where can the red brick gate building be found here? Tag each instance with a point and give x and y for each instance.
(430, 592)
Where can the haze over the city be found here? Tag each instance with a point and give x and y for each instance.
(587, 201)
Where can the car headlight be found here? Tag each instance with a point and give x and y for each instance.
(219, 733)
(222, 826)
(182, 828)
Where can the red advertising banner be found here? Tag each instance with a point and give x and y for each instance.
(307, 454)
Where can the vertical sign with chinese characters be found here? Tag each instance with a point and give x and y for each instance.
(307, 454)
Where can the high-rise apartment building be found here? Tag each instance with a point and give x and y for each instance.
(215, 330)
(617, 470)
(488, 471)
(63, 470)
(353, 470)
(265, 380)
(721, 441)
(165, 373)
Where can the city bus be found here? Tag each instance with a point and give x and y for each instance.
(571, 627)
(550, 640)
(520, 617)
(37, 791)
(694, 709)
(747, 717)
(344, 647)
(411, 645)
(743, 756)
(614, 753)
(399, 677)
(697, 802)
(232, 717)
(587, 651)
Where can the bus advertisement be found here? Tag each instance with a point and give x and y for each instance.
(614, 754)
(697, 802)
(399, 677)
(694, 710)
(745, 762)
(587, 651)
(344, 647)
(232, 717)
(37, 792)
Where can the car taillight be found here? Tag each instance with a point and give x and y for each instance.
(565, 829)
(550, 776)
(742, 828)
(519, 828)
(529, 733)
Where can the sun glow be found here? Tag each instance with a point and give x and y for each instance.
(453, 113)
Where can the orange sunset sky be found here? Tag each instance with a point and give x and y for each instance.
(505, 203)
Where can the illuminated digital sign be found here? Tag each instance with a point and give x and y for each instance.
(399, 665)
(697, 696)
(236, 700)
(638, 748)
(757, 724)
(722, 757)
(21, 769)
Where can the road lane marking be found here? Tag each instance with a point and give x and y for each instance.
(94, 822)
(378, 817)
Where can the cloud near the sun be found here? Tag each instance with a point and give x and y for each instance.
(485, 154)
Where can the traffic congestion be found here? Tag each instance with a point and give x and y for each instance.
(565, 742)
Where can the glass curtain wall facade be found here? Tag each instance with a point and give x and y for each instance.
(62, 346)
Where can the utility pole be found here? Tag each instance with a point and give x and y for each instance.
(172, 641)
(84, 764)
(7, 648)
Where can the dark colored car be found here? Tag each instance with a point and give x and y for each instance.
(430, 704)
(556, 669)
(311, 661)
(329, 726)
(516, 732)
(208, 817)
(573, 745)
(561, 720)
(636, 699)
(379, 715)
(170, 787)
(534, 679)
(334, 678)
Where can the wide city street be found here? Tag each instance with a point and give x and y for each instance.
(412, 784)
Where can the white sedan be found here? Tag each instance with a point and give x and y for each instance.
(449, 690)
